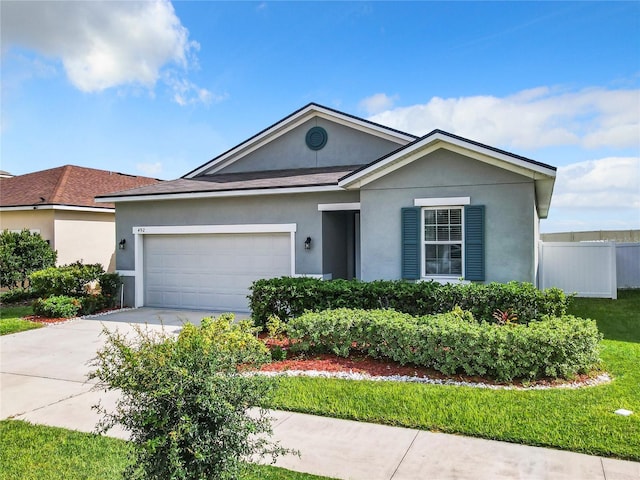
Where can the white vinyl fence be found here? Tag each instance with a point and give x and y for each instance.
(628, 265)
(588, 269)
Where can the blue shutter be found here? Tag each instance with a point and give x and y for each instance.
(411, 243)
(474, 242)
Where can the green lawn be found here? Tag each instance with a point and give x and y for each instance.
(581, 420)
(35, 452)
(11, 320)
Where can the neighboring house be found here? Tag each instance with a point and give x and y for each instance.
(59, 204)
(326, 194)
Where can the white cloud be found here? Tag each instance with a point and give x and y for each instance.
(603, 183)
(186, 92)
(102, 44)
(377, 103)
(150, 169)
(535, 118)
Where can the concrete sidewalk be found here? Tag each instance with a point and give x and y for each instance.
(43, 380)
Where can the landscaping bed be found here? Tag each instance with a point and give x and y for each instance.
(361, 367)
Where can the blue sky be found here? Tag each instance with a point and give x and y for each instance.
(158, 89)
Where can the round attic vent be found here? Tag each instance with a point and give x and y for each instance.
(316, 138)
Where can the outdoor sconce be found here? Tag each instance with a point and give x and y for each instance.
(307, 243)
(122, 244)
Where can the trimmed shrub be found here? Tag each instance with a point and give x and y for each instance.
(65, 280)
(288, 297)
(16, 295)
(95, 289)
(57, 306)
(190, 413)
(455, 342)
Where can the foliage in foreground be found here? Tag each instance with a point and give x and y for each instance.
(191, 414)
(37, 452)
(454, 342)
(288, 297)
(22, 253)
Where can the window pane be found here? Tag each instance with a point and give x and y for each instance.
(429, 217)
(430, 233)
(443, 233)
(456, 216)
(456, 232)
(443, 259)
(443, 217)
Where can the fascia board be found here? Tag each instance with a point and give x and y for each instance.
(289, 124)
(220, 194)
(58, 207)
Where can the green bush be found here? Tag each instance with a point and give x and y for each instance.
(68, 280)
(288, 297)
(22, 253)
(455, 342)
(57, 306)
(16, 295)
(188, 409)
(75, 280)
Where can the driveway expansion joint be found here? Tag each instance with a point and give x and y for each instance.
(404, 456)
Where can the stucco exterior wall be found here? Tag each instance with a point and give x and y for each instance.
(509, 208)
(77, 236)
(345, 146)
(39, 220)
(85, 236)
(300, 209)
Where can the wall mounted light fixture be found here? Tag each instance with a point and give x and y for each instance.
(307, 243)
(122, 244)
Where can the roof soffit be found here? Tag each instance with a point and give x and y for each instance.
(291, 122)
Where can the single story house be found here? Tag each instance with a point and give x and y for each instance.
(323, 193)
(59, 204)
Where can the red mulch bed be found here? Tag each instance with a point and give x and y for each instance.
(327, 362)
(39, 319)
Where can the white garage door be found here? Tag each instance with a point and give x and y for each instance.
(211, 271)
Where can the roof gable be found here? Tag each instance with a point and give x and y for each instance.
(542, 174)
(68, 185)
(291, 122)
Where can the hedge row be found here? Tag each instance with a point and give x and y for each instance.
(288, 297)
(87, 288)
(557, 347)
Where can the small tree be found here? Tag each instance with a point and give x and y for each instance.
(22, 253)
(191, 413)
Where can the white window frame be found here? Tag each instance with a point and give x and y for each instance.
(446, 278)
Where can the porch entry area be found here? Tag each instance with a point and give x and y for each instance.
(341, 244)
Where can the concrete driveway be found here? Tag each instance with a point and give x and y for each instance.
(43, 380)
(44, 371)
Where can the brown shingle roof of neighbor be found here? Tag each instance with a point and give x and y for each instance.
(67, 185)
(301, 177)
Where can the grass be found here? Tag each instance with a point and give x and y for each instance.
(580, 420)
(11, 320)
(36, 452)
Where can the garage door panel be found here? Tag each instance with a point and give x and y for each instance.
(211, 271)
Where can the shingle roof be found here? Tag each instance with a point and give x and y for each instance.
(301, 177)
(67, 185)
(291, 116)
